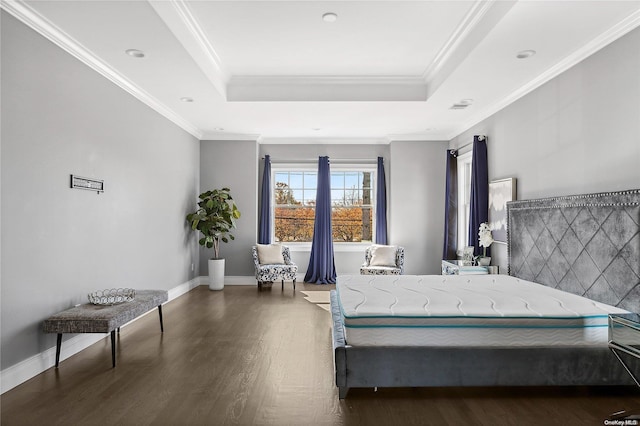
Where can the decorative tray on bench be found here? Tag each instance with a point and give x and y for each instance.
(112, 296)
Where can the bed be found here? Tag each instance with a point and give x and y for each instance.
(581, 252)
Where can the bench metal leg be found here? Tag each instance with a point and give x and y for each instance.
(58, 346)
(113, 348)
(342, 392)
(160, 313)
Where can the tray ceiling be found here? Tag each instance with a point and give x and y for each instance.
(276, 72)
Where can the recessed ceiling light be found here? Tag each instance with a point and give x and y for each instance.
(329, 17)
(186, 99)
(218, 129)
(524, 54)
(135, 53)
(316, 129)
(466, 101)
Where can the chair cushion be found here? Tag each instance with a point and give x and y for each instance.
(270, 254)
(379, 270)
(383, 255)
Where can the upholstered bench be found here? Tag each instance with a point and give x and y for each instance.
(89, 318)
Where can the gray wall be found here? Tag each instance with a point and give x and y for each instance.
(417, 203)
(578, 133)
(233, 164)
(347, 262)
(58, 244)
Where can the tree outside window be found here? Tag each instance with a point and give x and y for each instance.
(351, 199)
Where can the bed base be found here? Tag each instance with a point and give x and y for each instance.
(409, 366)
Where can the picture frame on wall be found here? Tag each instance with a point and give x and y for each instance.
(500, 192)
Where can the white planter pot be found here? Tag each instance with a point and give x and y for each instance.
(216, 274)
(484, 261)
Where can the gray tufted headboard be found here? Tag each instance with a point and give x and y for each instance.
(583, 244)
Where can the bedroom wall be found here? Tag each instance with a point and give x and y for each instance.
(59, 118)
(233, 164)
(417, 203)
(578, 133)
(347, 260)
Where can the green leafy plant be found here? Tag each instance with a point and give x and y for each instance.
(215, 217)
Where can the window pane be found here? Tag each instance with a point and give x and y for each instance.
(464, 192)
(295, 199)
(295, 180)
(337, 197)
(310, 180)
(352, 180)
(337, 180)
(283, 194)
(280, 196)
(352, 224)
(297, 196)
(351, 197)
(309, 197)
(282, 178)
(294, 224)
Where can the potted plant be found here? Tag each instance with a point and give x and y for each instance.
(486, 239)
(215, 217)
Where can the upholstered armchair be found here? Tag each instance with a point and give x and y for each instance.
(383, 260)
(273, 263)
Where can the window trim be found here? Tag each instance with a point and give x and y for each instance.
(303, 246)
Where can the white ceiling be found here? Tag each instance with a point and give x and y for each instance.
(275, 71)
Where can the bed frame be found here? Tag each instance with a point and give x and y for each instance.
(584, 244)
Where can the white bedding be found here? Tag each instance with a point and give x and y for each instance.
(472, 310)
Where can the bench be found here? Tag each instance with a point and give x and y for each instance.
(89, 318)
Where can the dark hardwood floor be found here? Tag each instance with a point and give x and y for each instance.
(240, 356)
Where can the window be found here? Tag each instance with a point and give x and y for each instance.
(464, 198)
(352, 200)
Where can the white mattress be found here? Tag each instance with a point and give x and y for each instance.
(471, 310)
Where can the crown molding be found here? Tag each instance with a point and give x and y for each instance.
(301, 88)
(468, 23)
(615, 32)
(322, 141)
(479, 21)
(417, 137)
(178, 17)
(27, 15)
(329, 80)
(224, 136)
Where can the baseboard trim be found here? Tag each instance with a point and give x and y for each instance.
(21, 372)
(240, 280)
(184, 288)
(230, 280)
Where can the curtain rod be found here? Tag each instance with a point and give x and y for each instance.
(335, 161)
(483, 137)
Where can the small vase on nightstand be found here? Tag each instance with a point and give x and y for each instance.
(484, 261)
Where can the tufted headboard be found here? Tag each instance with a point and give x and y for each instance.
(583, 244)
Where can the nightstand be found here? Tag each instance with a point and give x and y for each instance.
(624, 337)
(457, 267)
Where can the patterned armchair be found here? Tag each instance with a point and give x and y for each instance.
(268, 273)
(397, 269)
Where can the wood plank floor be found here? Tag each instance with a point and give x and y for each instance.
(243, 357)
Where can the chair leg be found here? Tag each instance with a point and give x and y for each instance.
(282, 285)
(259, 285)
(294, 284)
